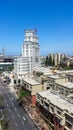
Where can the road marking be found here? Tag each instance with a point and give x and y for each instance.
(12, 98)
(18, 115)
(16, 124)
(12, 116)
(15, 109)
(22, 122)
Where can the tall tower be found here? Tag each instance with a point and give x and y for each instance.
(30, 47)
(30, 59)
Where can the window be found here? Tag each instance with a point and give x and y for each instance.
(30, 87)
(68, 125)
(66, 92)
(52, 109)
(42, 101)
(14, 81)
(48, 88)
(58, 112)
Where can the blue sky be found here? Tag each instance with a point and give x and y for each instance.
(53, 20)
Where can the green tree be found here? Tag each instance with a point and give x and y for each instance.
(50, 60)
(23, 93)
(47, 61)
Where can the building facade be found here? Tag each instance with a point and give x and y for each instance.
(30, 47)
(57, 110)
(57, 58)
(56, 104)
(30, 59)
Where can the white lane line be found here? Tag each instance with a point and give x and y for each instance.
(12, 98)
(15, 109)
(22, 122)
(12, 116)
(18, 115)
(16, 124)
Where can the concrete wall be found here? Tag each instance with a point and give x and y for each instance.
(36, 88)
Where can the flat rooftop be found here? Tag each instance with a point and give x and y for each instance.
(55, 76)
(57, 101)
(31, 81)
(45, 71)
(67, 71)
(70, 74)
(67, 85)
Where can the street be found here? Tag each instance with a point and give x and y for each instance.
(19, 119)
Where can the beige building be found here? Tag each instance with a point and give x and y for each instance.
(33, 87)
(53, 79)
(70, 77)
(42, 73)
(65, 89)
(56, 104)
(57, 110)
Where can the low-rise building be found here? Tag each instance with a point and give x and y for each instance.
(33, 87)
(70, 77)
(42, 73)
(57, 110)
(65, 89)
(53, 79)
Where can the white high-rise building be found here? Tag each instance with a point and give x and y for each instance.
(30, 47)
(30, 59)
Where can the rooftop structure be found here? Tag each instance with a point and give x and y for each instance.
(58, 101)
(68, 85)
(31, 81)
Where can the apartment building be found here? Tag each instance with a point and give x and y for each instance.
(56, 104)
(53, 79)
(31, 48)
(22, 66)
(30, 59)
(57, 58)
(57, 110)
(70, 77)
(32, 86)
(42, 73)
(65, 89)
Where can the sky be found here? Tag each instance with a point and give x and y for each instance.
(53, 20)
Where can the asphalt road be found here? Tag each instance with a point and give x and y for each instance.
(18, 117)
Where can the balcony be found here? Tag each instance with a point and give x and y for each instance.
(59, 120)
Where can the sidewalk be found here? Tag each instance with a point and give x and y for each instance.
(36, 117)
